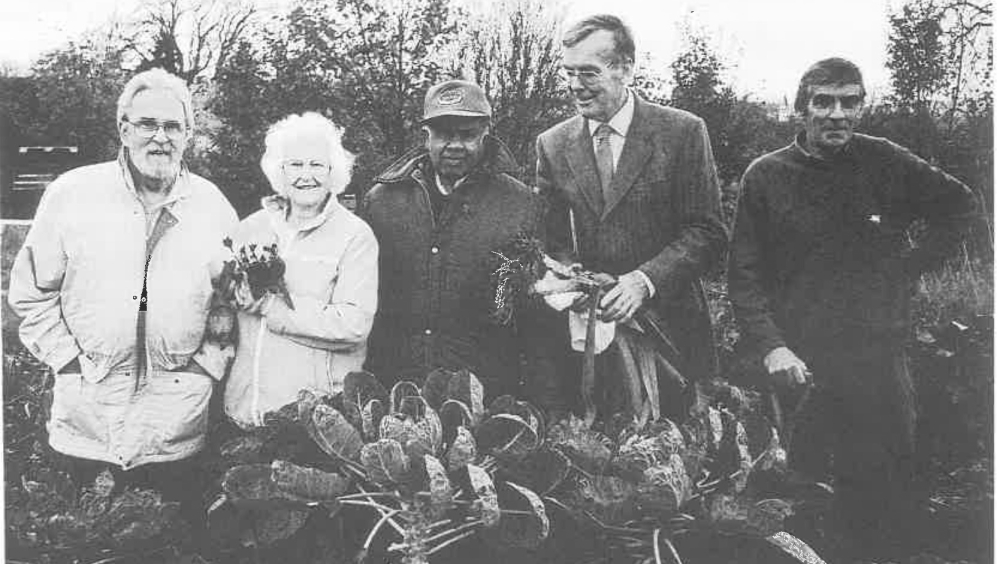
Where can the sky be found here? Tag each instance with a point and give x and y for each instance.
(768, 43)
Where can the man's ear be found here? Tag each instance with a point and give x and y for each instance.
(628, 69)
(121, 130)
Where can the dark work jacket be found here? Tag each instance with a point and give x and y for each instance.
(821, 257)
(435, 290)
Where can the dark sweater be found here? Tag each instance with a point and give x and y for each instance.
(821, 256)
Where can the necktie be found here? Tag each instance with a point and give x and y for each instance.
(605, 159)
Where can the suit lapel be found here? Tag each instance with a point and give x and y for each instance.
(635, 153)
(583, 167)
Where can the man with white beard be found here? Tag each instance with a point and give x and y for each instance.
(114, 284)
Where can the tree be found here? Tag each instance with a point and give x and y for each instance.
(968, 26)
(700, 89)
(73, 95)
(378, 58)
(649, 83)
(365, 65)
(511, 51)
(191, 38)
(941, 63)
(917, 55)
(241, 106)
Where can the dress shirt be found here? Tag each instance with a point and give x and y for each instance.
(619, 123)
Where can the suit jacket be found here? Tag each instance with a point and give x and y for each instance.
(663, 215)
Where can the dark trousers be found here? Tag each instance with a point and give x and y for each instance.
(859, 427)
(182, 481)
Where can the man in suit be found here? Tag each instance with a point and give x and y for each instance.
(633, 193)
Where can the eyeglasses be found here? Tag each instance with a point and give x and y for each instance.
(148, 128)
(295, 168)
(585, 76)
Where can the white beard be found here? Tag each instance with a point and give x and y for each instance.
(158, 170)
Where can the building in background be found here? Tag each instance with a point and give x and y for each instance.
(26, 172)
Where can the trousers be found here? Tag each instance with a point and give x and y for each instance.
(859, 426)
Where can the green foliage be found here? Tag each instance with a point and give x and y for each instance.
(363, 64)
(916, 51)
(740, 129)
(941, 64)
(71, 97)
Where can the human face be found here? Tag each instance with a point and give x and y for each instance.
(305, 172)
(156, 158)
(831, 115)
(595, 79)
(455, 144)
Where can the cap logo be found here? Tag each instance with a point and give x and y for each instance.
(451, 97)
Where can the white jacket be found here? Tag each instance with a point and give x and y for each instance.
(332, 275)
(77, 281)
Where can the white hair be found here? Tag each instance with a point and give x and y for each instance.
(295, 125)
(156, 79)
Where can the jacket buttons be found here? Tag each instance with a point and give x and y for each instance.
(434, 250)
(427, 331)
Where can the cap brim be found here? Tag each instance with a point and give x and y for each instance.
(454, 113)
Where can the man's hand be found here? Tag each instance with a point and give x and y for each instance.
(785, 369)
(624, 298)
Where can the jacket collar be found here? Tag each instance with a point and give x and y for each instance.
(276, 207)
(497, 159)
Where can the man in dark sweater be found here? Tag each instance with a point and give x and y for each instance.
(820, 276)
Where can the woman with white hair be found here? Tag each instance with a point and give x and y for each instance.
(331, 274)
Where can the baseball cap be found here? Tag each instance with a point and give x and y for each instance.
(456, 98)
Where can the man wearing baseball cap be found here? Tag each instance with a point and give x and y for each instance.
(439, 212)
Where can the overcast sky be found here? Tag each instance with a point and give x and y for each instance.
(768, 42)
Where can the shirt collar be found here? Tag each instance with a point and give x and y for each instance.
(621, 121)
(454, 187)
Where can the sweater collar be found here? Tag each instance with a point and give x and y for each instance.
(799, 145)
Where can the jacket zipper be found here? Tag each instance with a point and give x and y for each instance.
(418, 177)
(259, 347)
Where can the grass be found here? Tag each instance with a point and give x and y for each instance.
(962, 289)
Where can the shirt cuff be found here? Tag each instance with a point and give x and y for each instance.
(57, 359)
(649, 283)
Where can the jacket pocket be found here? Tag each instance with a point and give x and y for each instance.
(175, 409)
(75, 414)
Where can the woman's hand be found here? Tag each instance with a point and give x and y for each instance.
(246, 302)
